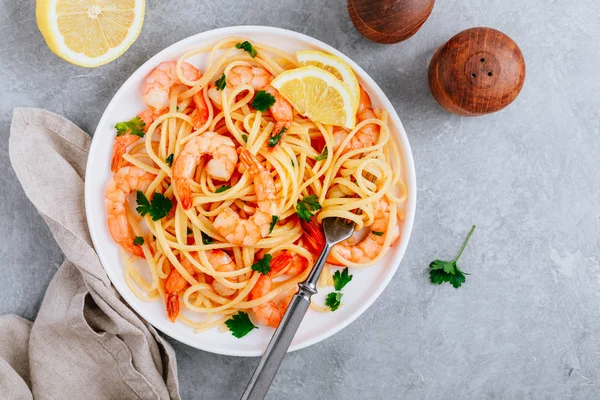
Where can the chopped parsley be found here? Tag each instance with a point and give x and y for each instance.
(341, 279)
(273, 140)
(263, 101)
(333, 300)
(263, 265)
(221, 82)
(323, 155)
(377, 233)
(274, 219)
(240, 325)
(245, 137)
(306, 205)
(247, 47)
(135, 126)
(222, 188)
(158, 208)
(138, 241)
(189, 231)
(206, 239)
(448, 271)
(169, 160)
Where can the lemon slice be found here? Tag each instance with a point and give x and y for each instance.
(318, 95)
(335, 65)
(90, 33)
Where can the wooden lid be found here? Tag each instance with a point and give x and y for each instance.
(479, 71)
(389, 21)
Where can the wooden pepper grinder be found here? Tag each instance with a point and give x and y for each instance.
(389, 21)
(478, 71)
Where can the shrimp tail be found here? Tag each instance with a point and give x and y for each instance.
(201, 115)
(280, 262)
(185, 192)
(313, 235)
(116, 161)
(172, 304)
(249, 160)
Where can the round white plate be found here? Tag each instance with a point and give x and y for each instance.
(367, 283)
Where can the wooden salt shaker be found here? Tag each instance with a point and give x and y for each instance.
(478, 71)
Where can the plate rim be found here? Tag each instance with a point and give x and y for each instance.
(406, 152)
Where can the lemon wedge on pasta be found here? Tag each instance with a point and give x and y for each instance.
(318, 95)
(90, 33)
(333, 64)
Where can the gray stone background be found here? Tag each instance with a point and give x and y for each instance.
(526, 323)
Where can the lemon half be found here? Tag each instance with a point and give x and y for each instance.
(90, 33)
(318, 95)
(335, 65)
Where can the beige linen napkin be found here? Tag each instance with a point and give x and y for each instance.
(85, 343)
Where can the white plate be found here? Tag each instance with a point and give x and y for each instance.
(367, 284)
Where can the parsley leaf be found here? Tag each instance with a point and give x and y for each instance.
(274, 219)
(138, 241)
(306, 205)
(273, 140)
(240, 325)
(158, 208)
(263, 265)
(247, 47)
(341, 279)
(448, 271)
(169, 160)
(189, 231)
(222, 188)
(245, 137)
(262, 101)
(323, 155)
(377, 233)
(135, 126)
(221, 82)
(206, 239)
(333, 300)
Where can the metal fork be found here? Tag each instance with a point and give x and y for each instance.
(336, 230)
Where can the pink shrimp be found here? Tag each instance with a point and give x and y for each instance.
(124, 141)
(220, 167)
(260, 79)
(175, 283)
(124, 182)
(367, 135)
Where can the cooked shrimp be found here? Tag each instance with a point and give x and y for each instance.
(200, 114)
(158, 83)
(221, 262)
(249, 231)
(220, 167)
(368, 248)
(367, 135)
(124, 141)
(270, 312)
(260, 79)
(175, 283)
(125, 181)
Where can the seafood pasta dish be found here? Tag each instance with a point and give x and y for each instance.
(220, 184)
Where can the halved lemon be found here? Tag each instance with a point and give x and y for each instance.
(318, 95)
(90, 33)
(335, 65)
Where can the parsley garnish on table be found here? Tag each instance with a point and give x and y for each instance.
(248, 48)
(273, 140)
(240, 325)
(262, 101)
(159, 207)
(306, 205)
(221, 82)
(448, 271)
(333, 300)
(263, 265)
(135, 126)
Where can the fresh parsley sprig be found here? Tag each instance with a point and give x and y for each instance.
(159, 207)
(240, 325)
(273, 140)
(274, 219)
(448, 271)
(135, 126)
(248, 48)
(221, 82)
(263, 265)
(262, 101)
(333, 300)
(306, 205)
(341, 279)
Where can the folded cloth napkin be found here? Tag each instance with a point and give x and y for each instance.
(85, 342)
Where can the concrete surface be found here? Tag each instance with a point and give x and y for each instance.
(526, 323)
